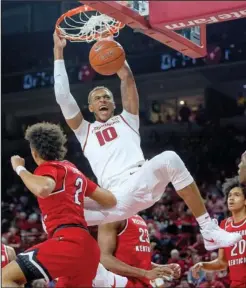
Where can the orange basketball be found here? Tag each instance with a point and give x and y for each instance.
(107, 57)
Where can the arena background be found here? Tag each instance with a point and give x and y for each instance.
(195, 107)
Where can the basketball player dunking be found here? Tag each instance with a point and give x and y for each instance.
(112, 146)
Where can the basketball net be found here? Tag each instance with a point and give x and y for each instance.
(85, 24)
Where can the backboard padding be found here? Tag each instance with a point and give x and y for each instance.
(172, 14)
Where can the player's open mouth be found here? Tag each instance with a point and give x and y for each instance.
(103, 108)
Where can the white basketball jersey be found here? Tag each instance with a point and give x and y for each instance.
(111, 147)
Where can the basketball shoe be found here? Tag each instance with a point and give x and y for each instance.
(214, 237)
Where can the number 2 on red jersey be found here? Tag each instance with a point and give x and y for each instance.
(79, 186)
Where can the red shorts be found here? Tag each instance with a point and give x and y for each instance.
(71, 254)
(237, 284)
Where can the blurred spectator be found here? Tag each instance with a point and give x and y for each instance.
(175, 258)
(201, 115)
(216, 205)
(13, 238)
(156, 115)
(185, 112)
(198, 246)
(190, 278)
(211, 282)
(241, 104)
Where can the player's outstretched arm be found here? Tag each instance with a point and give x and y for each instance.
(129, 92)
(103, 197)
(64, 98)
(40, 186)
(216, 265)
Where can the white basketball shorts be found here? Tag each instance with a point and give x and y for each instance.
(138, 189)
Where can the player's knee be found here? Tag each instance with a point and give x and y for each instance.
(172, 159)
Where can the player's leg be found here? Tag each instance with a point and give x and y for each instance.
(61, 256)
(87, 264)
(168, 167)
(13, 276)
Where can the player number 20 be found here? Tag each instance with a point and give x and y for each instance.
(144, 235)
(241, 245)
(106, 135)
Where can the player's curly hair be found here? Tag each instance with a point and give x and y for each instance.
(231, 183)
(48, 140)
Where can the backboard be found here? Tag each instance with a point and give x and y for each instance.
(180, 25)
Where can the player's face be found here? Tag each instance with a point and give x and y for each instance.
(236, 200)
(102, 105)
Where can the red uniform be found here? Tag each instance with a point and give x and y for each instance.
(5, 258)
(133, 248)
(70, 252)
(236, 255)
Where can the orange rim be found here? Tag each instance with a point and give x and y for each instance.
(81, 9)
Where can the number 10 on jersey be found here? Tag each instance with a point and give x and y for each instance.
(106, 135)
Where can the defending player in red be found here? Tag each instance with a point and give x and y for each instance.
(125, 250)
(233, 257)
(60, 188)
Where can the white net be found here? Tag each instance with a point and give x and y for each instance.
(89, 26)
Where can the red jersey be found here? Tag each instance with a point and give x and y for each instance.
(5, 258)
(133, 247)
(65, 204)
(236, 255)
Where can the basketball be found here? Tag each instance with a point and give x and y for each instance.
(107, 57)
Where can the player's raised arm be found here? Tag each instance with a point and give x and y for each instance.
(129, 92)
(216, 265)
(40, 186)
(64, 98)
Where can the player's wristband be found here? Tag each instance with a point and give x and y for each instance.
(19, 169)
